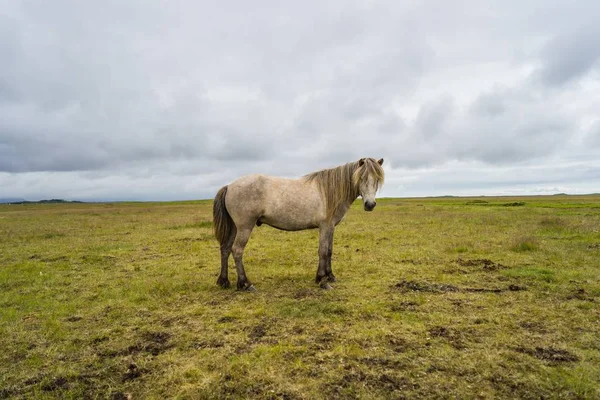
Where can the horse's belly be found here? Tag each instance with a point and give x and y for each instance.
(293, 213)
(288, 222)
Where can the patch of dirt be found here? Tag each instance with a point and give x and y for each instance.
(354, 377)
(154, 343)
(453, 336)
(391, 382)
(99, 339)
(133, 372)
(594, 246)
(34, 380)
(436, 368)
(533, 326)
(323, 341)
(516, 288)
(305, 294)
(506, 384)
(457, 303)
(439, 331)
(411, 261)
(73, 318)
(484, 263)
(55, 384)
(202, 238)
(158, 339)
(168, 322)
(297, 330)
(483, 290)
(399, 345)
(225, 319)
(120, 396)
(381, 362)
(6, 393)
(242, 387)
(208, 344)
(510, 288)
(242, 349)
(415, 286)
(549, 354)
(405, 306)
(257, 332)
(580, 294)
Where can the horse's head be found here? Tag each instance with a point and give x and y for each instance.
(369, 178)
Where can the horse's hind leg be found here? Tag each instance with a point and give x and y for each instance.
(223, 280)
(241, 239)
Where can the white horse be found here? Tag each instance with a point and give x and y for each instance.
(317, 200)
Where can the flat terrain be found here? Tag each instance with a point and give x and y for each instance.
(436, 298)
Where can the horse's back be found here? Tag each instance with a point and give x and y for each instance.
(290, 204)
(245, 197)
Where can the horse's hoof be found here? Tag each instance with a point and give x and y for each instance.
(246, 287)
(331, 278)
(224, 283)
(325, 286)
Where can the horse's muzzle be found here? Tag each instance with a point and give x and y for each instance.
(370, 205)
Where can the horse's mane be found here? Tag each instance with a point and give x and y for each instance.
(340, 185)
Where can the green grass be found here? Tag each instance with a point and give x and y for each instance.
(528, 243)
(436, 298)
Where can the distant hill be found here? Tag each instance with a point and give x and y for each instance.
(10, 200)
(23, 201)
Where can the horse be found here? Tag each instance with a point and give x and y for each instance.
(317, 200)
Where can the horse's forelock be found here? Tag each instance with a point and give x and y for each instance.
(369, 167)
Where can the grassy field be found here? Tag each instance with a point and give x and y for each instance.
(436, 298)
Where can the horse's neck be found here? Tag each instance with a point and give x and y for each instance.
(343, 209)
(341, 212)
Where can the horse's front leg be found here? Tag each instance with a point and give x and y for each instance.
(328, 271)
(325, 249)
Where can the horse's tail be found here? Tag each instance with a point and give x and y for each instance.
(222, 222)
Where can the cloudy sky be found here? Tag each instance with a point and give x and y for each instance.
(162, 100)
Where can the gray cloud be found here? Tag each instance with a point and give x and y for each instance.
(118, 92)
(592, 138)
(571, 55)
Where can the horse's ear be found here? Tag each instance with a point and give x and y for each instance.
(380, 161)
(361, 162)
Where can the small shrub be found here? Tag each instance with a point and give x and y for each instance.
(476, 201)
(514, 204)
